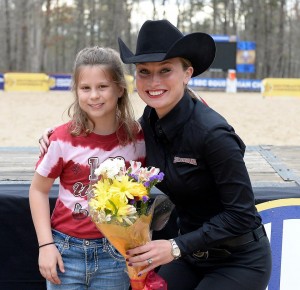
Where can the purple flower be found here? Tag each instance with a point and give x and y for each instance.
(160, 176)
(147, 184)
(133, 176)
(157, 178)
(131, 201)
(145, 198)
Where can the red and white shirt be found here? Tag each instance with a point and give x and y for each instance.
(73, 160)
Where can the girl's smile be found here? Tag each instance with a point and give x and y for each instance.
(96, 106)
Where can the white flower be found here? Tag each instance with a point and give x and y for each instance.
(120, 163)
(135, 166)
(111, 168)
(146, 173)
(108, 218)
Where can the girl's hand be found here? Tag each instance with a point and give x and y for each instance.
(49, 258)
(151, 255)
(44, 141)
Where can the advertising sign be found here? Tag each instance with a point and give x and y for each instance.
(1, 82)
(245, 57)
(282, 223)
(281, 87)
(30, 82)
(63, 82)
(210, 83)
(60, 82)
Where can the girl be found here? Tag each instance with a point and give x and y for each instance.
(73, 253)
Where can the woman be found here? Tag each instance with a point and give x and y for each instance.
(221, 243)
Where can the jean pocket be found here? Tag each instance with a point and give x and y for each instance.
(114, 253)
(60, 243)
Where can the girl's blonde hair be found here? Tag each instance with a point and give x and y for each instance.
(113, 66)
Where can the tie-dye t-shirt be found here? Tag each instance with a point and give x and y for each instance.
(73, 160)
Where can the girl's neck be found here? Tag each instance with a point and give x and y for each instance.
(105, 128)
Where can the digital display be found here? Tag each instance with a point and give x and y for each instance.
(225, 58)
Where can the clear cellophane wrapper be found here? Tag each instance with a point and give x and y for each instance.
(124, 237)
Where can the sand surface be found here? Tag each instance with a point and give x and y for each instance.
(258, 120)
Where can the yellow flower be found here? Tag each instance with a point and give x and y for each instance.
(116, 203)
(139, 190)
(128, 188)
(101, 195)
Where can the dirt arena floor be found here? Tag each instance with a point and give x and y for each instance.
(258, 120)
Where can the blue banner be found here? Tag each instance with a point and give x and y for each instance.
(246, 45)
(249, 85)
(245, 57)
(64, 83)
(1, 81)
(60, 82)
(245, 68)
(224, 38)
(281, 218)
(209, 83)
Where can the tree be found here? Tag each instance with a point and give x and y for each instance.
(45, 35)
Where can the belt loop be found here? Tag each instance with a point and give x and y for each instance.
(66, 242)
(105, 244)
(255, 234)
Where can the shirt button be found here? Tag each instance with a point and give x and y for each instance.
(87, 243)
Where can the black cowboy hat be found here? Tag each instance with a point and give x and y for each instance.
(159, 40)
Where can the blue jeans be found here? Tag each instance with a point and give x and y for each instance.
(89, 265)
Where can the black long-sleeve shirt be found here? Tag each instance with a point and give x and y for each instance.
(205, 174)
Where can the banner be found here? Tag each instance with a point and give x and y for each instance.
(63, 82)
(281, 87)
(282, 223)
(60, 82)
(209, 83)
(245, 57)
(1, 82)
(17, 82)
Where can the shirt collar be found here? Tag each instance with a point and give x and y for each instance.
(171, 123)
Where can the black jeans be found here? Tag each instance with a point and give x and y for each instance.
(248, 267)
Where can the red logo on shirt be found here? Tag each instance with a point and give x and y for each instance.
(185, 160)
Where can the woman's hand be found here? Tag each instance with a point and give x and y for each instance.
(152, 255)
(44, 141)
(49, 257)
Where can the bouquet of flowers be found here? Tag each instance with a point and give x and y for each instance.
(121, 207)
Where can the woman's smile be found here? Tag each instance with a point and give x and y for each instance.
(156, 93)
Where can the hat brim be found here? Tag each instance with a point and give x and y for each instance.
(199, 48)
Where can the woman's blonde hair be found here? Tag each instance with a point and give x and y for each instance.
(185, 65)
(110, 61)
